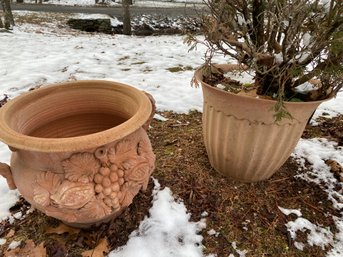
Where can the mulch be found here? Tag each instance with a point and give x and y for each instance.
(244, 213)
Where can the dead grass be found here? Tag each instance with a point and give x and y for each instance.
(38, 19)
(244, 213)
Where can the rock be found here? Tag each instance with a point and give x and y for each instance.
(91, 25)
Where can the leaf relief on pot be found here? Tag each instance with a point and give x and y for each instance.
(81, 167)
(95, 185)
(46, 184)
(72, 195)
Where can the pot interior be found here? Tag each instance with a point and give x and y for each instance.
(77, 125)
(71, 112)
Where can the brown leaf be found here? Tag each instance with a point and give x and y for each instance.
(29, 250)
(56, 248)
(10, 234)
(335, 167)
(99, 250)
(62, 228)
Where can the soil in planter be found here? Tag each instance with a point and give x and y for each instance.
(219, 80)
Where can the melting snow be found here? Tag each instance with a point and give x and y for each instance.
(315, 152)
(167, 232)
(290, 211)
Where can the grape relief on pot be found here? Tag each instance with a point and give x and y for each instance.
(94, 185)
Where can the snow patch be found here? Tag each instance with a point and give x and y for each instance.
(290, 211)
(14, 244)
(212, 232)
(241, 253)
(18, 215)
(3, 241)
(160, 117)
(313, 153)
(317, 235)
(167, 232)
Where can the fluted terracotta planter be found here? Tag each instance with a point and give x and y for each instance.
(80, 149)
(241, 138)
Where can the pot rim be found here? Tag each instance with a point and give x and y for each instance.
(16, 140)
(232, 67)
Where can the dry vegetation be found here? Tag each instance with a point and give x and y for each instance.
(245, 213)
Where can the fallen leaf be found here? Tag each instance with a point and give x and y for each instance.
(10, 234)
(99, 250)
(335, 167)
(62, 228)
(29, 250)
(56, 249)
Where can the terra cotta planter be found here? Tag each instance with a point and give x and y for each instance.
(242, 140)
(80, 149)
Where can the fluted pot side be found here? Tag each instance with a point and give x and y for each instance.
(241, 137)
(246, 150)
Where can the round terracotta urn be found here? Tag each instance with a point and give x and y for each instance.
(242, 139)
(80, 149)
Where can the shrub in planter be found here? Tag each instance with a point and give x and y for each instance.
(294, 51)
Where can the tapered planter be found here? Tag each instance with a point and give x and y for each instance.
(80, 149)
(242, 140)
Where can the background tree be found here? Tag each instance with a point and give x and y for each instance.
(127, 17)
(8, 16)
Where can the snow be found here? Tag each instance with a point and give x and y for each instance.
(3, 241)
(241, 253)
(151, 3)
(212, 232)
(18, 215)
(317, 235)
(314, 152)
(42, 55)
(160, 117)
(14, 244)
(166, 232)
(279, 58)
(333, 107)
(73, 2)
(114, 21)
(7, 198)
(290, 211)
(139, 61)
(243, 77)
(204, 214)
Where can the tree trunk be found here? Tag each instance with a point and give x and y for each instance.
(9, 21)
(126, 18)
(1, 25)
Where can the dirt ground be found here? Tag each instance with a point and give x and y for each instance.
(244, 213)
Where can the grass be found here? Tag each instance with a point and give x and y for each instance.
(180, 68)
